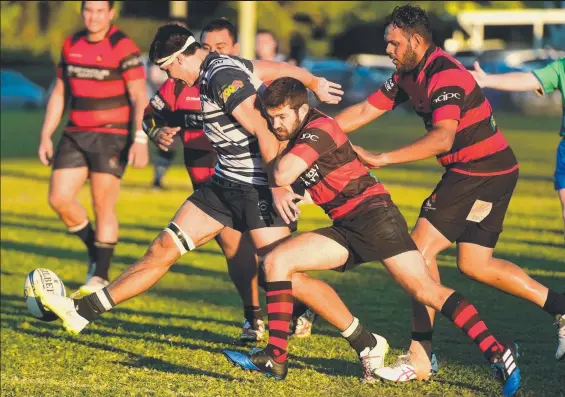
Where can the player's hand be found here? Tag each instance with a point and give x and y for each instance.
(164, 137)
(479, 74)
(45, 151)
(369, 159)
(327, 91)
(138, 155)
(285, 201)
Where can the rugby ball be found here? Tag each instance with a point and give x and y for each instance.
(42, 279)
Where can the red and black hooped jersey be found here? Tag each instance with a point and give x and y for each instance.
(178, 105)
(336, 179)
(440, 88)
(96, 75)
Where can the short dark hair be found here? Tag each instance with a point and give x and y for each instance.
(170, 38)
(220, 24)
(285, 91)
(412, 20)
(110, 4)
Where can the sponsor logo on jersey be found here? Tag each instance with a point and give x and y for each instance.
(157, 103)
(192, 98)
(309, 136)
(87, 73)
(389, 84)
(230, 89)
(132, 62)
(446, 96)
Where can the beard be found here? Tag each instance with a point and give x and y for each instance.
(283, 134)
(409, 60)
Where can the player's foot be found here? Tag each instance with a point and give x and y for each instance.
(157, 185)
(403, 370)
(373, 359)
(560, 323)
(92, 285)
(303, 324)
(65, 309)
(258, 360)
(250, 334)
(505, 368)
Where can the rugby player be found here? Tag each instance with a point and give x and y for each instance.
(178, 105)
(238, 195)
(543, 81)
(367, 226)
(102, 72)
(469, 203)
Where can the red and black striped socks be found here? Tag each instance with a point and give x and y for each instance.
(465, 316)
(279, 308)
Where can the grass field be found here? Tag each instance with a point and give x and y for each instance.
(168, 342)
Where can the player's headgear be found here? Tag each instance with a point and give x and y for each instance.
(170, 41)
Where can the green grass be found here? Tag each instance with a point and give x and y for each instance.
(168, 342)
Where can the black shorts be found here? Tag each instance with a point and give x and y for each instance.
(372, 234)
(237, 205)
(470, 209)
(100, 152)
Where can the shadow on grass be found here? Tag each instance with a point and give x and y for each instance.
(180, 267)
(133, 360)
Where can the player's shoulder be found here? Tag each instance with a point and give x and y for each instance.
(120, 42)
(322, 122)
(441, 61)
(75, 38)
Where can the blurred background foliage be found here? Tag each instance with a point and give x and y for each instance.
(40, 27)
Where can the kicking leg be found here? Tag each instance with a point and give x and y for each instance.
(189, 228)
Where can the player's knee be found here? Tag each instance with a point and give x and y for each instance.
(174, 239)
(274, 263)
(468, 269)
(59, 201)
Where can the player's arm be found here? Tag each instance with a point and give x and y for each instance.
(386, 98)
(288, 168)
(514, 81)
(356, 116)
(446, 100)
(53, 115)
(159, 116)
(324, 90)
(253, 121)
(438, 140)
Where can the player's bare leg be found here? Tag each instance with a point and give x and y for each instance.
(410, 271)
(243, 270)
(104, 189)
(430, 243)
(189, 228)
(284, 267)
(64, 186)
(195, 228)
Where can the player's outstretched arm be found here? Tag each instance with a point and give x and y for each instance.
(356, 116)
(53, 114)
(326, 91)
(514, 81)
(438, 140)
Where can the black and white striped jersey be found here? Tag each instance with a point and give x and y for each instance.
(225, 82)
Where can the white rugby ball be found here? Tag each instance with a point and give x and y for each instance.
(42, 279)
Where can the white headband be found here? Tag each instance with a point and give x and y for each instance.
(169, 59)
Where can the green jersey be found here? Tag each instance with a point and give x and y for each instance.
(552, 77)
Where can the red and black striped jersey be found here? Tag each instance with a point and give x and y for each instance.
(177, 105)
(96, 75)
(336, 179)
(441, 88)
